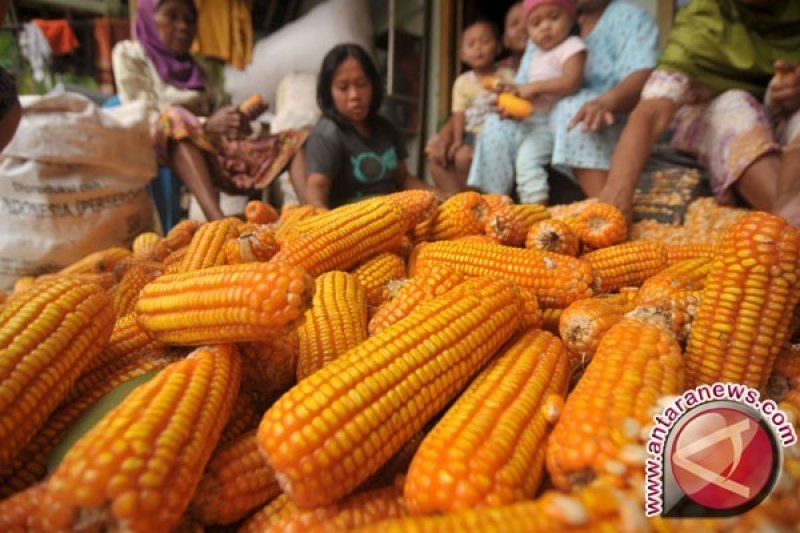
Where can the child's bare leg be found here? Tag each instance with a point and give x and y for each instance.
(446, 179)
(758, 185)
(461, 163)
(192, 168)
(591, 180)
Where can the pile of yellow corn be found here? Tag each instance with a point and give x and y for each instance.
(392, 365)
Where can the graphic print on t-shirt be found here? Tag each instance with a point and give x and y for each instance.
(369, 167)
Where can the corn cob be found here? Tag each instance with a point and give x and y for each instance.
(103, 279)
(236, 481)
(251, 246)
(102, 261)
(460, 215)
(125, 293)
(23, 284)
(145, 243)
(346, 240)
(509, 224)
(48, 334)
(531, 316)
(269, 367)
(677, 253)
(398, 464)
(584, 323)
(627, 264)
(675, 312)
(634, 365)
(30, 465)
(290, 217)
(137, 469)
(260, 213)
(556, 280)
(245, 415)
(495, 201)
(551, 319)
(338, 426)
(124, 265)
(374, 275)
(17, 512)
(748, 300)
(423, 287)
(571, 210)
(477, 238)
(688, 275)
(128, 342)
(279, 508)
(418, 205)
(600, 225)
(229, 303)
(207, 246)
(553, 236)
(785, 374)
(488, 449)
(336, 322)
(178, 237)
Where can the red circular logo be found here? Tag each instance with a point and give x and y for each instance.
(722, 458)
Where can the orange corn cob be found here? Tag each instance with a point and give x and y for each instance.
(488, 449)
(207, 246)
(245, 415)
(102, 261)
(551, 319)
(417, 204)
(251, 246)
(125, 293)
(145, 243)
(290, 216)
(627, 264)
(675, 312)
(748, 300)
(23, 284)
(176, 257)
(178, 237)
(128, 342)
(30, 465)
(137, 469)
(376, 273)
(556, 280)
(495, 201)
(269, 367)
(335, 323)
(600, 225)
(398, 464)
(103, 279)
(460, 215)
(423, 287)
(509, 224)
(124, 265)
(635, 364)
(565, 211)
(531, 316)
(279, 508)
(237, 480)
(339, 425)
(688, 275)
(584, 323)
(553, 236)
(677, 253)
(17, 513)
(514, 106)
(346, 240)
(477, 238)
(48, 335)
(229, 303)
(260, 213)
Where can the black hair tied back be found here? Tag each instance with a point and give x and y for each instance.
(335, 57)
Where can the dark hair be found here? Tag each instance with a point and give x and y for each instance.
(330, 63)
(486, 22)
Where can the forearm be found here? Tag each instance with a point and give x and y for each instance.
(561, 86)
(624, 96)
(457, 122)
(317, 191)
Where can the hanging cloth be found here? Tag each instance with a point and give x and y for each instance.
(59, 34)
(225, 31)
(36, 50)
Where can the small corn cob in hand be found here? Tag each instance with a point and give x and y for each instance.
(138, 467)
(488, 449)
(509, 225)
(625, 265)
(600, 225)
(584, 323)
(688, 275)
(375, 274)
(229, 303)
(339, 425)
(207, 248)
(251, 246)
(460, 215)
(554, 236)
(258, 212)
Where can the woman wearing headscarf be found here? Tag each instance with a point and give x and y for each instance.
(728, 83)
(209, 145)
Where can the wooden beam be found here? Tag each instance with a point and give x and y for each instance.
(447, 30)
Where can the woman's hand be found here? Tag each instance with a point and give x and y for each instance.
(783, 92)
(451, 152)
(593, 115)
(227, 122)
(438, 150)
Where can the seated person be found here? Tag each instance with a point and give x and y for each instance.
(352, 152)
(471, 102)
(729, 84)
(205, 142)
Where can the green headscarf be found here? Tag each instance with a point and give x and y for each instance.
(728, 44)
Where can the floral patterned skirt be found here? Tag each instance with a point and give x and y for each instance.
(244, 164)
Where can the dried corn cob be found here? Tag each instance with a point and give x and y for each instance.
(675, 312)
(269, 367)
(398, 464)
(748, 300)
(48, 335)
(291, 215)
(786, 373)
(178, 237)
(556, 280)
(600, 225)
(23, 284)
(175, 258)
(572, 210)
(251, 246)
(102, 261)
(688, 275)
(128, 342)
(488, 449)
(124, 265)
(346, 240)
(531, 316)
(229, 303)
(207, 246)
(268, 515)
(339, 425)
(423, 287)
(17, 513)
(103, 279)
(553, 236)
(376, 273)
(477, 238)
(260, 213)
(417, 204)
(634, 365)
(551, 319)
(138, 467)
(245, 415)
(627, 264)
(336, 322)
(145, 243)
(677, 253)
(495, 201)
(125, 294)
(236, 481)
(30, 465)
(584, 323)
(460, 215)
(509, 224)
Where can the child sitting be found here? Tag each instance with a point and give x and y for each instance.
(555, 70)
